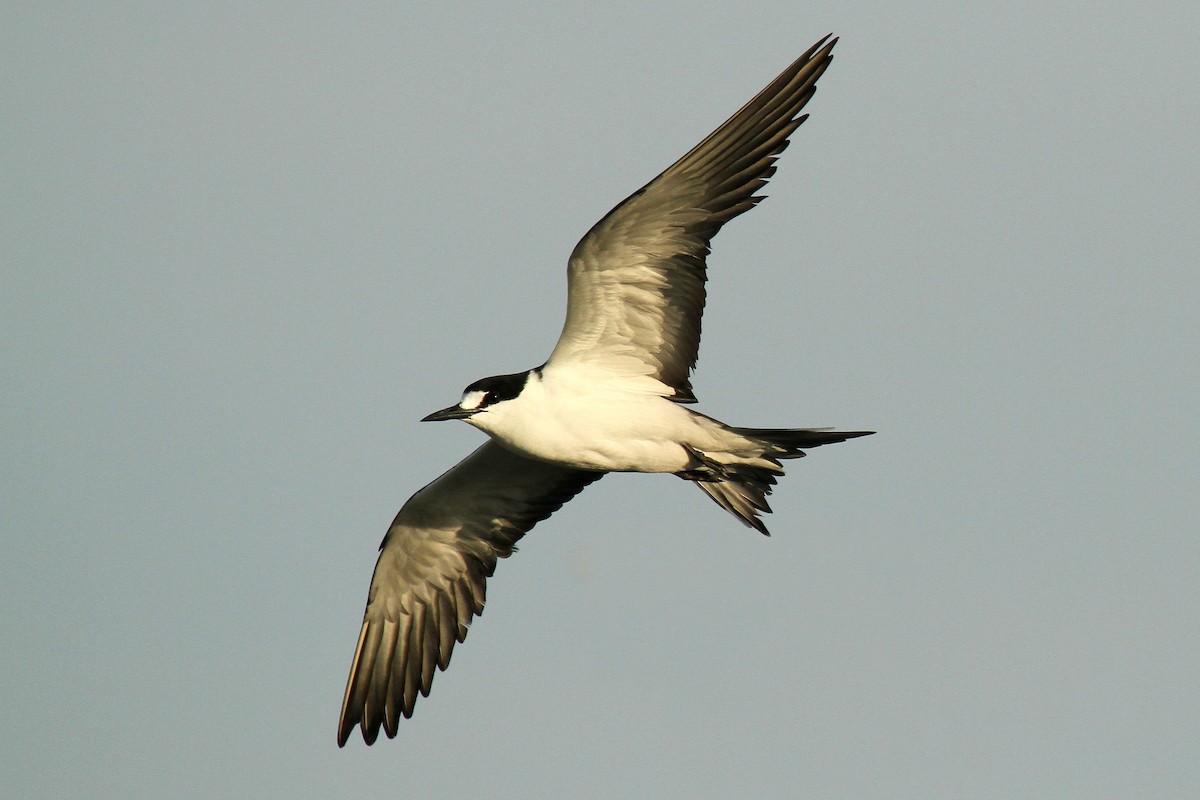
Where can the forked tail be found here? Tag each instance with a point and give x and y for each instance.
(792, 442)
(742, 489)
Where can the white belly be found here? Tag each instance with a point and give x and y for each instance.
(599, 426)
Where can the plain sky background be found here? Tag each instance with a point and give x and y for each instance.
(247, 247)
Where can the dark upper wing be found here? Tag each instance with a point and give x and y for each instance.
(636, 280)
(429, 580)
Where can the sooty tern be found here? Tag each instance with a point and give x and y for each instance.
(609, 399)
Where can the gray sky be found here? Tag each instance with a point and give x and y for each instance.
(245, 251)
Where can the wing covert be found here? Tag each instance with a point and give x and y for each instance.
(635, 291)
(429, 581)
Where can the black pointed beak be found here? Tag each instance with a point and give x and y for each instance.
(453, 412)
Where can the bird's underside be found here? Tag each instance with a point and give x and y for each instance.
(635, 298)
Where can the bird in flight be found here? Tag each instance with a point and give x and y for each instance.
(612, 397)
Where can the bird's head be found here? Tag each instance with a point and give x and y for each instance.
(481, 396)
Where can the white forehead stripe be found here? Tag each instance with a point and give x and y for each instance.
(471, 400)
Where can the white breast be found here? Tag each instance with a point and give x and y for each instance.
(592, 420)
